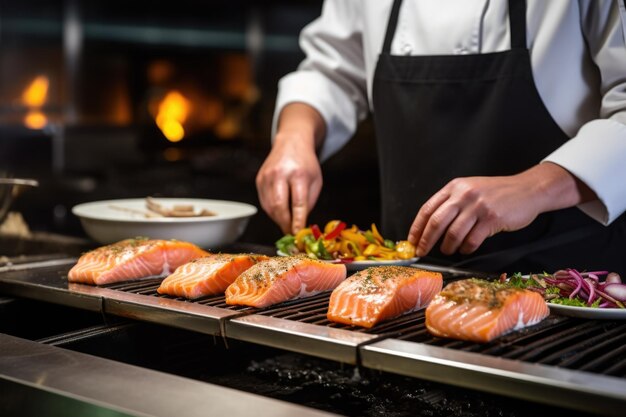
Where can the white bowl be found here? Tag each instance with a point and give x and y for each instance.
(114, 220)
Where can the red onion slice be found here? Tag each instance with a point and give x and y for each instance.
(617, 291)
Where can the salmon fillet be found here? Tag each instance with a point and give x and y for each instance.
(208, 275)
(479, 310)
(283, 278)
(132, 259)
(379, 293)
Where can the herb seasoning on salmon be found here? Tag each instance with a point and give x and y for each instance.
(284, 278)
(480, 310)
(208, 275)
(380, 293)
(132, 259)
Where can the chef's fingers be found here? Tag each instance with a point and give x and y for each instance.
(435, 227)
(457, 232)
(424, 215)
(299, 204)
(278, 205)
(315, 188)
(475, 237)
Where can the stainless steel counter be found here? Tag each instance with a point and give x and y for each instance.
(40, 380)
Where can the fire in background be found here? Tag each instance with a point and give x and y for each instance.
(34, 98)
(182, 106)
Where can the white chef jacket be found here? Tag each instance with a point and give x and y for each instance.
(578, 58)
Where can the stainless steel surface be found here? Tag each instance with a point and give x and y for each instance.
(36, 265)
(322, 341)
(45, 281)
(540, 383)
(96, 384)
(176, 313)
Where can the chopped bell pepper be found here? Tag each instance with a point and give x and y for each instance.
(350, 249)
(316, 231)
(370, 237)
(300, 237)
(376, 234)
(357, 238)
(286, 245)
(336, 231)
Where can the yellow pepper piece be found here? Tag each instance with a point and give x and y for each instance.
(300, 237)
(350, 249)
(371, 250)
(357, 238)
(377, 235)
(330, 226)
(332, 245)
(405, 249)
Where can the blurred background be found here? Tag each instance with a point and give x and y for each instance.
(119, 99)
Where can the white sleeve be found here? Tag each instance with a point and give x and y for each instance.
(332, 76)
(597, 154)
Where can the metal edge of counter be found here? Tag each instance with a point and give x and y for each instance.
(175, 313)
(321, 341)
(17, 281)
(81, 383)
(534, 382)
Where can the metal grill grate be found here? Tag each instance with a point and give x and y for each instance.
(149, 287)
(592, 346)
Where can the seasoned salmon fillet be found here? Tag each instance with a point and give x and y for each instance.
(283, 278)
(379, 293)
(132, 259)
(208, 275)
(479, 310)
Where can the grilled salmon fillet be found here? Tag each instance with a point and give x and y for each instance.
(132, 259)
(379, 293)
(283, 278)
(208, 275)
(479, 310)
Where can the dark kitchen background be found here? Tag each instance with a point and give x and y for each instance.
(120, 99)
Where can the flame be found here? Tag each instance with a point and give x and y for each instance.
(35, 119)
(36, 93)
(35, 97)
(172, 113)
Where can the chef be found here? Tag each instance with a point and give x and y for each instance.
(501, 126)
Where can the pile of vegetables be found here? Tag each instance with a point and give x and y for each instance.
(339, 242)
(574, 288)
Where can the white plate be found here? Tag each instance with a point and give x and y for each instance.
(589, 312)
(358, 265)
(586, 312)
(110, 221)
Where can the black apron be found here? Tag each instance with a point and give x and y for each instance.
(443, 117)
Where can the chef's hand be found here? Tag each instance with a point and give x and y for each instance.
(290, 180)
(469, 210)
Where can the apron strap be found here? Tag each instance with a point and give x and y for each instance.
(391, 25)
(517, 23)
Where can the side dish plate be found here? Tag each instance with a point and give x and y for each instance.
(358, 265)
(114, 220)
(589, 312)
